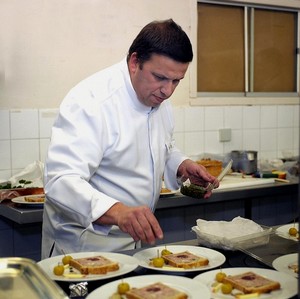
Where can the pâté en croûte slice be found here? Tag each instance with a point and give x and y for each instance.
(94, 265)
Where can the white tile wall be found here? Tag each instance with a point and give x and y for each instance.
(296, 116)
(236, 142)
(285, 140)
(268, 139)
(5, 154)
(193, 119)
(251, 140)
(251, 117)
(4, 125)
(194, 142)
(46, 120)
(233, 117)
(24, 138)
(213, 118)
(271, 130)
(24, 152)
(24, 124)
(268, 117)
(286, 116)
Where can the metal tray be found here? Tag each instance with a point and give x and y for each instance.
(22, 278)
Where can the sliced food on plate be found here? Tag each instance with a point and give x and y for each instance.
(35, 198)
(179, 258)
(167, 192)
(88, 266)
(152, 286)
(94, 265)
(250, 282)
(245, 283)
(185, 260)
(156, 290)
(287, 263)
(294, 267)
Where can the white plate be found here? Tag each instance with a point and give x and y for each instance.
(215, 258)
(194, 289)
(127, 264)
(289, 284)
(21, 200)
(282, 263)
(172, 192)
(283, 231)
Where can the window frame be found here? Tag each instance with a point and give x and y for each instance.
(244, 98)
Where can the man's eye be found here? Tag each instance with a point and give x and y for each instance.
(159, 77)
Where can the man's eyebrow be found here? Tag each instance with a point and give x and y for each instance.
(166, 78)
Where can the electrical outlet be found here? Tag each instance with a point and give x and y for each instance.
(224, 135)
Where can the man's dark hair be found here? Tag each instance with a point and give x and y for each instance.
(163, 38)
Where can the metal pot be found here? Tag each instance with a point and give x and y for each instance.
(244, 161)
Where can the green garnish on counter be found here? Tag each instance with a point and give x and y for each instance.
(21, 184)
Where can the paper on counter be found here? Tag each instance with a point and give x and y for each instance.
(227, 234)
(237, 227)
(33, 172)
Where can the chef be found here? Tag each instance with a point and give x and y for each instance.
(111, 145)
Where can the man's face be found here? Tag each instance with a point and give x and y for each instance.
(156, 79)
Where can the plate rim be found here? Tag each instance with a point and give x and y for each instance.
(172, 192)
(152, 278)
(286, 234)
(191, 248)
(285, 269)
(261, 271)
(46, 263)
(18, 199)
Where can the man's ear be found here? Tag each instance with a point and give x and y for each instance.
(133, 63)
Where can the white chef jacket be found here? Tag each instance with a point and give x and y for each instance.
(106, 146)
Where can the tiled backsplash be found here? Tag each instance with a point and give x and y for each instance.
(271, 130)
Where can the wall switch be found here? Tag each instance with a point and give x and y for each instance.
(224, 135)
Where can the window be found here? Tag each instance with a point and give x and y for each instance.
(220, 65)
(274, 51)
(246, 50)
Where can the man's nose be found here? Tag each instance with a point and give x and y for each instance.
(167, 88)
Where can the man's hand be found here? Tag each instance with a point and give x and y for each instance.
(138, 222)
(197, 174)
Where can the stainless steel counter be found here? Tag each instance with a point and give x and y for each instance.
(23, 214)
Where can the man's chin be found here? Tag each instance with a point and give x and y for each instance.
(157, 101)
(154, 105)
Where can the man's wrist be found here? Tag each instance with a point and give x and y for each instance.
(110, 216)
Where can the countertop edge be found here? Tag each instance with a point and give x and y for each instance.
(25, 215)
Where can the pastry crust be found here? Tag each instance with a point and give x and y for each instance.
(186, 260)
(40, 198)
(155, 291)
(250, 282)
(94, 265)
